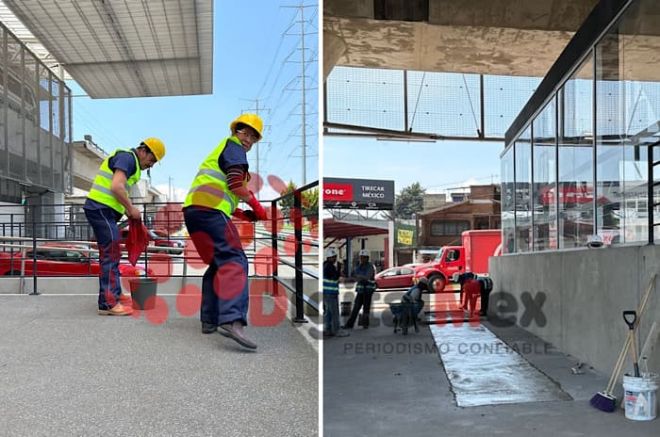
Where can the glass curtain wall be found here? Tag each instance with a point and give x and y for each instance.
(523, 157)
(544, 199)
(508, 202)
(576, 167)
(578, 190)
(628, 116)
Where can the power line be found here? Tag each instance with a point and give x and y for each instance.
(277, 51)
(96, 128)
(257, 110)
(449, 184)
(303, 33)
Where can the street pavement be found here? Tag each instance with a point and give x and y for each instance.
(65, 371)
(378, 383)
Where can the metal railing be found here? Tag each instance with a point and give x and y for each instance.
(296, 207)
(652, 184)
(57, 232)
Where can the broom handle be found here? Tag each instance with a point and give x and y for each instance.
(620, 361)
(619, 364)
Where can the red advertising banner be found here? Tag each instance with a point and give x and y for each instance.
(337, 192)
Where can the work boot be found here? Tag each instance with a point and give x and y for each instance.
(209, 328)
(125, 300)
(234, 331)
(117, 310)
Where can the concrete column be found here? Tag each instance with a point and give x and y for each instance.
(390, 245)
(349, 257)
(334, 48)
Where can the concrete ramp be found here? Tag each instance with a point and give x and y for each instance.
(483, 370)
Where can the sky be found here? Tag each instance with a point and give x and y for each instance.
(439, 166)
(256, 55)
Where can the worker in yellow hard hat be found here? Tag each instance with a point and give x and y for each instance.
(218, 187)
(106, 203)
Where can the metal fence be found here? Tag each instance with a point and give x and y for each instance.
(298, 209)
(37, 240)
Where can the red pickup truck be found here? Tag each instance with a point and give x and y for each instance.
(472, 256)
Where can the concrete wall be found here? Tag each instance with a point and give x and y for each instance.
(585, 293)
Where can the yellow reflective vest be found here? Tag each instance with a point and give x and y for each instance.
(101, 191)
(209, 188)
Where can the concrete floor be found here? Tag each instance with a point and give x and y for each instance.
(377, 383)
(65, 371)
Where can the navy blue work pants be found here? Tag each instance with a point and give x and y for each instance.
(225, 292)
(331, 313)
(104, 224)
(362, 300)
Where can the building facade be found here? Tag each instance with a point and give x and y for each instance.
(443, 226)
(579, 194)
(576, 162)
(35, 135)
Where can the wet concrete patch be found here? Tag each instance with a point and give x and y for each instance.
(483, 370)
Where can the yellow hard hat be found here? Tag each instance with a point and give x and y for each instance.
(252, 120)
(156, 146)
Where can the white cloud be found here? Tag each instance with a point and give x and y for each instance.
(178, 194)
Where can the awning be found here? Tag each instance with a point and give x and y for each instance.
(333, 228)
(127, 48)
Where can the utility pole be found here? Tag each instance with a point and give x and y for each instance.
(301, 8)
(169, 190)
(257, 110)
(304, 122)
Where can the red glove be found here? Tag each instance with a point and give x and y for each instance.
(259, 210)
(248, 216)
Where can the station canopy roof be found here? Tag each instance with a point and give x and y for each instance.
(334, 228)
(126, 48)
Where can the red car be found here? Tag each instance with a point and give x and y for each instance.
(60, 259)
(396, 277)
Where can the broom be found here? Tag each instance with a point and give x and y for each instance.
(605, 400)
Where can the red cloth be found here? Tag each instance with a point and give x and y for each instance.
(137, 241)
(248, 216)
(472, 291)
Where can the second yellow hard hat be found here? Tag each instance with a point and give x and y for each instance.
(156, 146)
(252, 120)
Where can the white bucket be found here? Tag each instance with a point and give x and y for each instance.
(639, 396)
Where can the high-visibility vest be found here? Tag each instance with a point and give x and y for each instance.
(330, 287)
(101, 191)
(365, 287)
(209, 188)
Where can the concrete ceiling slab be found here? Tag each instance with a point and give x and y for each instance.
(500, 37)
(457, 49)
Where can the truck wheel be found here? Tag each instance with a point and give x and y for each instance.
(436, 283)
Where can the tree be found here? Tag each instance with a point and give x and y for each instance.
(409, 201)
(309, 200)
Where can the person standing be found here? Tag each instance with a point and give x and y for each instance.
(106, 203)
(364, 273)
(331, 277)
(220, 183)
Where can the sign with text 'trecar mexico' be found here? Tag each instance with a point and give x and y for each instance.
(358, 193)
